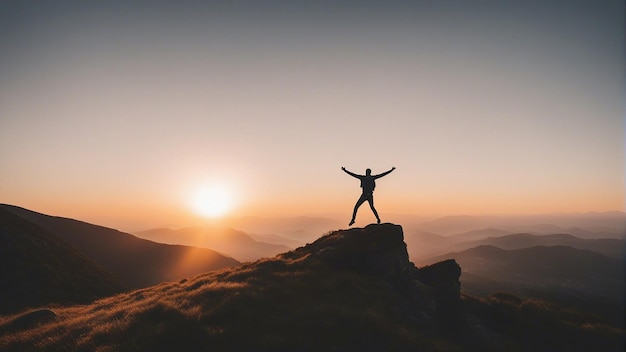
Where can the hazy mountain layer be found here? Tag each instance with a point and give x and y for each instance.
(229, 241)
(300, 228)
(423, 246)
(584, 225)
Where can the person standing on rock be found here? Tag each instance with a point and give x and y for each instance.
(368, 183)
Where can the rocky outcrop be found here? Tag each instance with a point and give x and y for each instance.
(379, 250)
(376, 249)
(442, 280)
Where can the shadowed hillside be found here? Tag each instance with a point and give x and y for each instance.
(351, 290)
(134, 261)
(423, 246)
(610, 247)
(564, 275)
(558, 266)
(37, 268)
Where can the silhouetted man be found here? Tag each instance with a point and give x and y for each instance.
(368, 183)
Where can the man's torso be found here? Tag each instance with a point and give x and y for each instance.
(368, 184)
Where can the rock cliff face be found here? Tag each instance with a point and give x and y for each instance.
(376, 249)
(379, 250)
(442, 280)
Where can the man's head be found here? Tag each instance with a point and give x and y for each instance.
(368, 172)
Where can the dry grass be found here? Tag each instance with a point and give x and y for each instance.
(108, 322)
(543, 326)
(271, 304)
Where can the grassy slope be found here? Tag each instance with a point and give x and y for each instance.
(270, 305)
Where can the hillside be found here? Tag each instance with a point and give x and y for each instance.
(38, 268)
(560, 274)
(229, 241)
(544, 265)
(134, 261)
(351, 290)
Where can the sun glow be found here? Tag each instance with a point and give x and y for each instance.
(212, 201)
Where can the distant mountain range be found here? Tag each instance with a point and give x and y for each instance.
(423, 246)
(611, 247)
(135, 262)
(586, 225)
(225, 240)
(300, 228)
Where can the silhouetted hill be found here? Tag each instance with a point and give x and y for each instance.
(610, 247)
(423, 246)
(553, 265)
(134, 261)
(570, 276)
(37, 268)
(351, 290)
(225, 240)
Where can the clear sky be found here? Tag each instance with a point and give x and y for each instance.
(116, 112)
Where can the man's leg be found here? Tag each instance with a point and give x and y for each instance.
(371, 201)
(356, 207)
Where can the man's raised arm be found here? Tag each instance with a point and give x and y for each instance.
(349, 173)
(385, 173)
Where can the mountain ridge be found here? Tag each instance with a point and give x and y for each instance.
(593, 224)
(37, 268)
(134, 261)
(226, 240)
(610, 247)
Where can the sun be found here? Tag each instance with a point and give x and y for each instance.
(212, 201)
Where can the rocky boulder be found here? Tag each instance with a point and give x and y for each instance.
(376, 249)
(379, 250)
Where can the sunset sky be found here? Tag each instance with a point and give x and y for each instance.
(121, 112)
